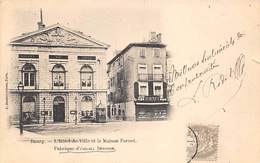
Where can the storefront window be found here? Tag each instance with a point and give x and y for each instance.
(58, 77)
(86, 77)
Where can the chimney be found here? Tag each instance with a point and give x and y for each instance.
(40, 24)
(159, 37)
(152, 37)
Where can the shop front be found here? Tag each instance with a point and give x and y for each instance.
(148, 112)
(87, 111)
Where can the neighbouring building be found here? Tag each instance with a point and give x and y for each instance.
(63, 73)
(137, 82)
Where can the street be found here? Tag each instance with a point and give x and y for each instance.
(91, 128)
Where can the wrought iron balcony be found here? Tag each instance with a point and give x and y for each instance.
(150, 77)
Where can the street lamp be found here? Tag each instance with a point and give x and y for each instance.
(44, 99)
(20, 88)
(76, 112)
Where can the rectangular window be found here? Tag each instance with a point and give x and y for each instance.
(58, 80)
(142, 52)
(158, 89)
(157, 53)
(31, 79)
(142, 69)
(143, 87)
(157, 69)
(26, 79)
(86, 80)
(86, 57)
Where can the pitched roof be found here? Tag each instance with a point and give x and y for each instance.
(18, 40)
(137, 44)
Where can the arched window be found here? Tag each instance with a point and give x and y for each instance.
(28, 75)
(58, 76)
(86, 77)
(86, 108)
(58, 100)
(29, 114)
(29, 103)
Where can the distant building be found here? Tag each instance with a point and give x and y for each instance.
(137, 82)
(63, 73)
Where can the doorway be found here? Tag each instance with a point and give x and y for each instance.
(58, 109)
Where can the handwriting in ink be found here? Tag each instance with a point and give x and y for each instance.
(215, 81)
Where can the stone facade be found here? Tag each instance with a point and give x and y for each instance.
(62, 71)
(137, 81)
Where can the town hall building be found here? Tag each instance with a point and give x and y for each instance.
(57, 74)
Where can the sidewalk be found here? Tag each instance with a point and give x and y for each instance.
(78, 124)
(69, 128)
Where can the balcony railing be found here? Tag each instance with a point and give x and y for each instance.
(150, 77)
(151, 99)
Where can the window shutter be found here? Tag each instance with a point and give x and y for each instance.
(136, 90)
(112, 97)
(150, 88)
(164, 90)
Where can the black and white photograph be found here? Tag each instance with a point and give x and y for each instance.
(129, 81)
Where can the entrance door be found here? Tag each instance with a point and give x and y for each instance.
(58, 109)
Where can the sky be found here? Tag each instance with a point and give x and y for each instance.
(107, 22)
(187, 28)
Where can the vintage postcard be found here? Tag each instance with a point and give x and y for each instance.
(141, 81)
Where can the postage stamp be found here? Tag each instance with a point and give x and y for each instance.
(202, 142)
